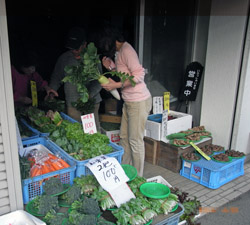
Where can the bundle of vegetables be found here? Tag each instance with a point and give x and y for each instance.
(54, 104)
(104, 199)
(53, 186)
(88, 70)
(40, 120)
(54, 218)
(80, 145)
(73, 194)
(44, 203)
(25, 165)
(43, 162)
(87, 184)
(191, 206)
(77, 218)
(163, 205)
(136, 183)
(86, 205)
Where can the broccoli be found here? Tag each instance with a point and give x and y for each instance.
(53, 218)
(44, 203)
(73, 194)
(77, 218)
(53, 186)
(86, 206)
(102, 221)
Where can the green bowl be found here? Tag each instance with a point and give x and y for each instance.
(130, 171)
(32, 210)
(155, 190)
(175, 207)
(176, 136)
(172, 143)
(230, 160)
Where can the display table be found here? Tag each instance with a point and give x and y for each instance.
(167, 155)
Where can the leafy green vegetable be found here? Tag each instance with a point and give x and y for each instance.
(54, 218)
(87, 70)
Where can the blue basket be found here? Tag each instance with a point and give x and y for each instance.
(40, 134)
(33, 187)
(172, 218)
(212, 174)
(155, 117)
(81, 169)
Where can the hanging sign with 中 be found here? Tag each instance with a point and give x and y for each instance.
(88, 123)
(33, 93)
(111, 177)
(191, 82)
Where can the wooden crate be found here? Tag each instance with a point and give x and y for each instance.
(110, 118)
(168, 156)
(151, 150)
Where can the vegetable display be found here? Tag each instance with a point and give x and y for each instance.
(80, 75)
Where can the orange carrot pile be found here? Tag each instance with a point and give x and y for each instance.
(50, 164)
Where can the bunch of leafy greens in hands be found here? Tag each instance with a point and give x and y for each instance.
(87, 70)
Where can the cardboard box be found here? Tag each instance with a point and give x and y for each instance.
(151, 150)
(113, 135)
(155, 130)
(168, 155)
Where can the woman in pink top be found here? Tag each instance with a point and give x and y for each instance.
(137, 100)
(21, 77)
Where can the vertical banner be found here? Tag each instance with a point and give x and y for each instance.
(166, 101)
(164, 123)
(88, 123)
(191, 82)
(33, 93)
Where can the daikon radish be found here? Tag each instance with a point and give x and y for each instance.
(114, 92)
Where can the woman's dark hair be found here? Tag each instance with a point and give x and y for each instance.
(108, 36)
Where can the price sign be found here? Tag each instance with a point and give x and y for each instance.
(200, 151)
(164, 123)
(157, 105)
(33, 93)
(111, 177)
(166, 100)
(88, 123)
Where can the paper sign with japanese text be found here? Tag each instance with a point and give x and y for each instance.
(164, 124)
(33, 93)
(111, 177)
(157, 104)
(88, 123)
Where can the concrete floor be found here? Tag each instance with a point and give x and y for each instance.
(209, 198)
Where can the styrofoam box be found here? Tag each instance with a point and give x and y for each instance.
(17, 218)
(181, 123)
(113, 135)
(159, 179)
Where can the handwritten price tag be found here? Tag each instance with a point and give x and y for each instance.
(107, 171)
(111, 177)
(88, 123)
(200, 151)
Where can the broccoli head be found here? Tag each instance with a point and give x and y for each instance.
(44, 203)
(73, 194)
(53, 186)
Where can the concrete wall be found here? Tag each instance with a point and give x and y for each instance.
(222, 68)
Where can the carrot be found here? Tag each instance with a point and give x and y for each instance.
(35, 171)
(51, 156)
(57, 165)
(64, 164)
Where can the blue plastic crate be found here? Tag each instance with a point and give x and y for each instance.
(33, 187)
(212, 174)
(40, 134)
(172, 218)
(81, 169)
